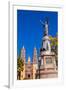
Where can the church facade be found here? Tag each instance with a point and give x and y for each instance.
(43, 66)
(30, 68)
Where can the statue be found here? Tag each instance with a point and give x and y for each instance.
(45, 25)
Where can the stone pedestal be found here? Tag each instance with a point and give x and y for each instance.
(48, 65)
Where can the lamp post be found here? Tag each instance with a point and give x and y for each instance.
(39, 64)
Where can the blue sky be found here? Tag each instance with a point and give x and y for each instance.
(30, 30)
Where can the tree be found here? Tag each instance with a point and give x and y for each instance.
(20, 64)
(54, 47)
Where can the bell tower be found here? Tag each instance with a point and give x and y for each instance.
(35, 60)
(35, 56)
(23, 54)
(23, 58)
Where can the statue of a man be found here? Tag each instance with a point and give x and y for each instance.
(45, 25)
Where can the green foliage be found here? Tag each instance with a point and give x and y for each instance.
(20, 64)
(54, 44)
(20, 67)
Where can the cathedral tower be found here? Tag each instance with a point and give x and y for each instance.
(35, 56)
(35, 60)
(23, 58)
(23, 54)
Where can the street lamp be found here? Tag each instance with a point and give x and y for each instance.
(39, 64)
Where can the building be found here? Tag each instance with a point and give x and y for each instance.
(43, 66)
(30, 68)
